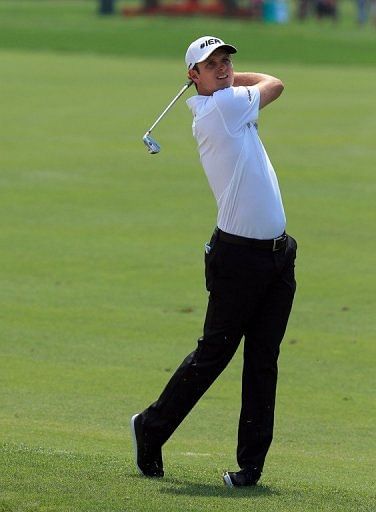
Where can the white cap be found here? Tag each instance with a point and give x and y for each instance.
(199, 50)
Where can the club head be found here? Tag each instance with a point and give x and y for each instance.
(151, 144)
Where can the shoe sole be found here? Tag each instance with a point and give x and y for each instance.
(134, 437)
(227, 480)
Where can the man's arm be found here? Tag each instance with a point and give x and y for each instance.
(270, 87)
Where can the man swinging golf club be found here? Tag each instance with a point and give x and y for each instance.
(249, 265)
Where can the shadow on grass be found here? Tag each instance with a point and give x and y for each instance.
(177, 487)
(194, 489)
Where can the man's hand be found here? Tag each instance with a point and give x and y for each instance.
(270, 87)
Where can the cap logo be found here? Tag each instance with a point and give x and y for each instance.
(208, 42)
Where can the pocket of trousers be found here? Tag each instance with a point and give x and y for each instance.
(292, 245)
(208, 273)
(210, 250)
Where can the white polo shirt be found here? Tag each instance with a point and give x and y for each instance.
(238, 169)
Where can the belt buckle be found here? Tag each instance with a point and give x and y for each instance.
(275, 242)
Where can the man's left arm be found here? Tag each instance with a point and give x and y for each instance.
(269, 86)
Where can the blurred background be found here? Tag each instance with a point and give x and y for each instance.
(274, 11)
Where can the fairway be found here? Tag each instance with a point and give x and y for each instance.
(101, 267)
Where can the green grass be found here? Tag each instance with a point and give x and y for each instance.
(102, 289)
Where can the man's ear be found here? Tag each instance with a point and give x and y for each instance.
(193, 75)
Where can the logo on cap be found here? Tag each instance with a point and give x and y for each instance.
(209, 42)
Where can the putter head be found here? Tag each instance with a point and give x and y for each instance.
(151, 144)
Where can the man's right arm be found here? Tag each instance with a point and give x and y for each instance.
(269, 86)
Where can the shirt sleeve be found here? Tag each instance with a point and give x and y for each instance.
(238, 106)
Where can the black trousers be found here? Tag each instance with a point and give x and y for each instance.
(251, 295)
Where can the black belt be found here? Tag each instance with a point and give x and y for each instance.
(275, 244)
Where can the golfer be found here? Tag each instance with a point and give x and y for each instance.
(249, 265)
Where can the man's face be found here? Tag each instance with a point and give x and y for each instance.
(216, 73)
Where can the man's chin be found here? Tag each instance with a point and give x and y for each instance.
(223, 84)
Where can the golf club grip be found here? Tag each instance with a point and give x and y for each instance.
(182, 91)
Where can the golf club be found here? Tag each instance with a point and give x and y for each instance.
(152, 144)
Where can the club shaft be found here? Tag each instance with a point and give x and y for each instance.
(182, 91)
